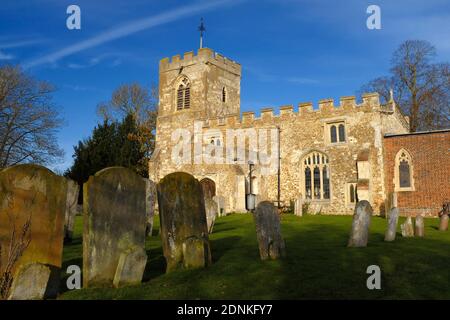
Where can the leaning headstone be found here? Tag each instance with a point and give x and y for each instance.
(392, 225)
(150, 200)
(211, 213)
(360, 226)
(114, 228)
(407, 228)
(298, 206)
(73, 190)
(184, 230)
(268, 231)
(419, 227)
(129, 269)
(32, 208)
(443, 224)
(30, 283)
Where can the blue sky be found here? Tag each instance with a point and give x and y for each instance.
(291, 51)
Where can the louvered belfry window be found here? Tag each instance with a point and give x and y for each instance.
(184, 94)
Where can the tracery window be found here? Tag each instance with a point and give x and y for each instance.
(316, 173)
(403, 171)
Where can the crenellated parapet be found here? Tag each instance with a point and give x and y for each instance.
(204, 55)
(326, 108)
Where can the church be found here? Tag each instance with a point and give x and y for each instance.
(324, 158)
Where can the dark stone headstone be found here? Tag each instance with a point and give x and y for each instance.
(114, 228)
(32, 208)
(184, 230)
(392, 225)
(359, 235)
(268, 231)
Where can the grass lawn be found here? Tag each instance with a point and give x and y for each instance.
(318, 265)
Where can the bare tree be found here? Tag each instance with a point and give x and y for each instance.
(17, 246)
(141, 103)
(422, 88)
(28, 120)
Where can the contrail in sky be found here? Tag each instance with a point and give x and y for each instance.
(126, 30)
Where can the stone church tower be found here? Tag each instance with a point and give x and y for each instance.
(198, 87)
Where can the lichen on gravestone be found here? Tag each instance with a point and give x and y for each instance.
(114, 225)
(184, 230)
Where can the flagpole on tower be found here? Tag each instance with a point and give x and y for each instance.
(202, 29)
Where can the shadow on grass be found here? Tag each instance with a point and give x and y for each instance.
(320, 266)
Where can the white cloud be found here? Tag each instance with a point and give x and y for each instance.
(20, 43)
(299, 80)
(128, 29)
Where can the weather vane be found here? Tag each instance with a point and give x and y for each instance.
(202, 29)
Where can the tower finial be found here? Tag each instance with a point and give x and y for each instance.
(202, 29)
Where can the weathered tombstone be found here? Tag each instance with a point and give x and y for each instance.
(420, 226)
(150, 200)
(443, 224)
(130, 267)
(32, 208)
(298, 206)
(73, 190)
(392, 225)
(114, 228)
(220, 205)
(268, 231)
(361, 223)
(443, 216)
(211, 213)
(407, 228)
(184, 230)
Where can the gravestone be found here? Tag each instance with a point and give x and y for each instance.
(268, 231)
(184, 230)
(298, 206)
(32, 208)
(73, 190)
(130, 267)
(220, 205)
(211, 213)
(392, 225)
(115, 220)
(419, 226)
(150, 201)
(443, 224)
(407, 228)
(359, 235)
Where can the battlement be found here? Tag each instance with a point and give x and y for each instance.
(204, 55)
(326, 108)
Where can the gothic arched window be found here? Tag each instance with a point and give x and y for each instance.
(341, 133)
(184, 94)
(403, 176)
(333, 133)
(316, 172)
